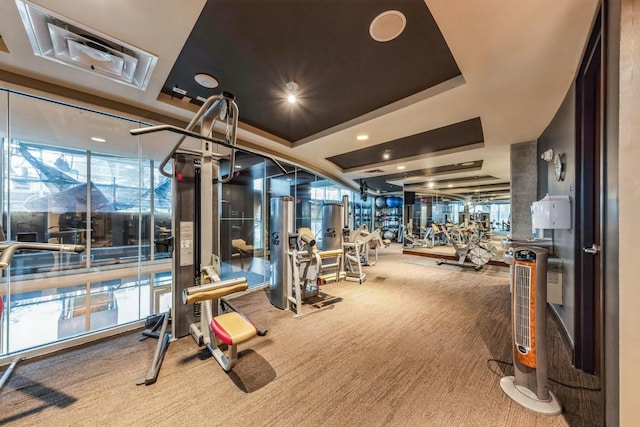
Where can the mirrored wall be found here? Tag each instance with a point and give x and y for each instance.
(435, 225)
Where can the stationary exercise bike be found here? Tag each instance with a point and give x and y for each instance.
(411, 241)
(478, 253)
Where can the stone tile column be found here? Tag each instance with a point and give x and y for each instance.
(524, 187)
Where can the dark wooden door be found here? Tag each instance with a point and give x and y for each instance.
(589, 281)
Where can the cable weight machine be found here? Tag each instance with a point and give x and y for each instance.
(197, 286)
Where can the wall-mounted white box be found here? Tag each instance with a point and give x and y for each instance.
(552, 212)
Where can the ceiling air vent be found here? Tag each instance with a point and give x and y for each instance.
(58, 39)
(374, 171)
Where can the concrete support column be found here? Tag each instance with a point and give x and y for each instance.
(524, 187)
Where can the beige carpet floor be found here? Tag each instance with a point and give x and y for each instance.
(409, 347)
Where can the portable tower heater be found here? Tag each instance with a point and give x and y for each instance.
(529, 386)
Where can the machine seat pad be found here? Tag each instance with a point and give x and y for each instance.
(233, 328)
(330, 253)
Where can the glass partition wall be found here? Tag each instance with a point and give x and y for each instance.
(77, 176)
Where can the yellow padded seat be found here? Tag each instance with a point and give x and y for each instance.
(233, 328)
(241, 245)
(330, 253)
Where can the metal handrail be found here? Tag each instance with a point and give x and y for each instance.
(9, 248)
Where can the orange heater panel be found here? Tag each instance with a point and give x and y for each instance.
(524, 312)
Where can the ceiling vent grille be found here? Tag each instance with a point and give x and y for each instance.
(61, 40)
(374, 171)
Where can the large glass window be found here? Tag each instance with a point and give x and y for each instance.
(121, 218)
(73, 176)
(4, 284)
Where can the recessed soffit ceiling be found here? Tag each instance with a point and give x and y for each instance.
(464, 135)
(326, 48)
(494, 45)
(393, 182)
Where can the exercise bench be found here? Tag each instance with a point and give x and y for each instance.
(231, 328)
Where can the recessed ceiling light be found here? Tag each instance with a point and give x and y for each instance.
(402, 167)
(362, 137)
(98, 139)
(238, 166)
(387, 26)
(387, 154)
(206, 80)
(431, 184)
(467, 164)
(450, 185)
(292, 92)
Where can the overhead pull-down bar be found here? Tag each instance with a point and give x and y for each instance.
(227, 109)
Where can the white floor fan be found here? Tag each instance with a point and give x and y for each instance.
(529, 386)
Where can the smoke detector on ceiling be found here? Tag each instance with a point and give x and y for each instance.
(61, 40)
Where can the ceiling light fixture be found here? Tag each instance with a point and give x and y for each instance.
(401, 167)
(362, 137)
(206, 80)
(238, 166)
(431, 184)
(98, 139)
(387, 154)
(292, 92)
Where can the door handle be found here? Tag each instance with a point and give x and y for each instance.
(593, 250)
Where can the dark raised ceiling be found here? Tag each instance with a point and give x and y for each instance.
(255, 47)
(458, 136)
(435, 171)
(381, 183)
